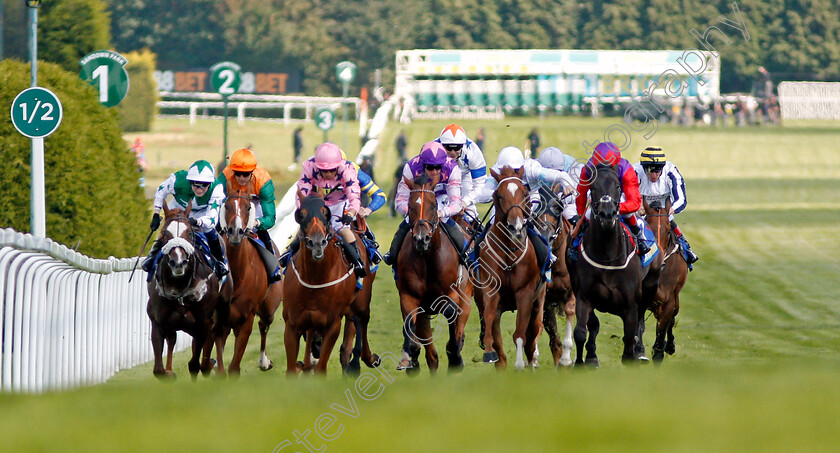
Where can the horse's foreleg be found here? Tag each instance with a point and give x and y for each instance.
(594, 327)
(490, 313)
(291, 340)
(550, 325)
(524, 309)
(631, 332)
(582, 311)
(194, 365)
(409, 306)
(241, 335)
(157, 349)
(535, 328)
(569, 308)
(330, 337)
(264, 362)
(496, 337)
(207, 351)
(479, 305)
(424, 332)
(345, 352)
(171, 337)
(220, 337)
(370, 359)
(457, 336)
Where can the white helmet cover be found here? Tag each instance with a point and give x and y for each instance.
(510, 156)
(201, 171)
(552, 157)
(453, 135)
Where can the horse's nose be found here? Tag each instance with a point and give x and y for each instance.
(240, 231)
(323, 242)
(310, 243)
(427, 238)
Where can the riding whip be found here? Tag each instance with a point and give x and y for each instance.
(140, 255)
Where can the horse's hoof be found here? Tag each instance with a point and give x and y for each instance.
(490, 357)
(165, 375)
(643, 359)
(267, 367)
(404, 364)
(375, 361)
(593, 362)
(670, 349)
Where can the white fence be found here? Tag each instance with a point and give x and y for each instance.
(809, 100)
(67, 319)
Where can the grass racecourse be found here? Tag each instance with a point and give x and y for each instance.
(758, 334)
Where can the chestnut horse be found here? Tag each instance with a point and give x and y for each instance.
(608, 275)
(319, 286)
(507, 253)
(552, 226)
(251, 292)
(430, 280)
(666, 304)
(185, 294)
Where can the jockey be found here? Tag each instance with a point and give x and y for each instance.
(243, 171)
(660, 180)
(535, 177)
(608, 153)
(433, 162)
(377, 200)
(554, 159)
(470, 161)
(337, 178)
(196, 186)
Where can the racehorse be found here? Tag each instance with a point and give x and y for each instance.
(666, 304)
(355, 345)
(507, 253)
(320, 286)
(185, 294)
(430, 280)
(551, 225)
(608, 275)
(251, 292)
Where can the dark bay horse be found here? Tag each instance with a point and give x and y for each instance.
(184, 294)
(666, 304)
(430, 280)
(507, 253)
(319, 286)
(558, 294)
(252, 294)
(608, 275)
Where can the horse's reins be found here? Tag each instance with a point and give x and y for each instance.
(330, 235)
(505, 214)
(200, 288)
(605, 266)
(676, 245)
(432, 224)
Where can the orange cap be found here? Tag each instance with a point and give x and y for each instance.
(243, 160)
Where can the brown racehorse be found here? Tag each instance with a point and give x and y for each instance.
(355, 345)
(184, 294)
(666, 304)
(552, 226)
(319, 285)
(608, 275)
(506, 252)
(430, 281)
(251, 292)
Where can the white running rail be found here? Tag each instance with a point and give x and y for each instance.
(67, 319)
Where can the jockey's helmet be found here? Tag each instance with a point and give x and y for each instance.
(201, 171)
(453, 135)
(606, 153)
(510, 156)
(653, 157)
(553, 158)
(328, 156)
(432, 153)
(243, 160)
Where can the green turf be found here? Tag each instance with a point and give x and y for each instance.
(757, 337)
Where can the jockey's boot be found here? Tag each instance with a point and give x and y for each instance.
(390, 258)
(353, 255)
(221, 267)
(373, 246)
(543, 252)
(275, 276)
(641, 244)
(692, 257)
(149, 262)
(458, 237)
(291, 250)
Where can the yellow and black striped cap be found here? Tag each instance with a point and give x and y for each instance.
(653, 156)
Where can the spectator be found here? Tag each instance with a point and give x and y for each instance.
(139, 153)
(297, 142)
(534, 143)
(479, 138)
(402, 143)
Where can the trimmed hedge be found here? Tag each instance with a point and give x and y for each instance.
(92, 193)
(139, 107)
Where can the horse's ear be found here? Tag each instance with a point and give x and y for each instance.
(165, 209)
(326, 212)
(495, 175)
(189, 208)
(409, 183)
(520, 172)
(300, 195)
(299, 216)
(316, 191)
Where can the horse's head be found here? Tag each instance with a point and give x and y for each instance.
(236, 219)
(606, 195)
(549, 220)
(422, 210)
(178, 240)
(511, 200)
(313, 217)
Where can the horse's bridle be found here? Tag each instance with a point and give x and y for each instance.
(504, 214)
(433, 224)
(227, 230)
(328, 226)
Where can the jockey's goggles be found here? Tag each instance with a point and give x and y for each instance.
(242, 174)
(653, 169)
(433, 167)
(453, 147)
(331, 170)
(200, 185)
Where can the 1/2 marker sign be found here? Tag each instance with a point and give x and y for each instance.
(105, 70)
(36, 112)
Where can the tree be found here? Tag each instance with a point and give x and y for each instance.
(70, 29)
